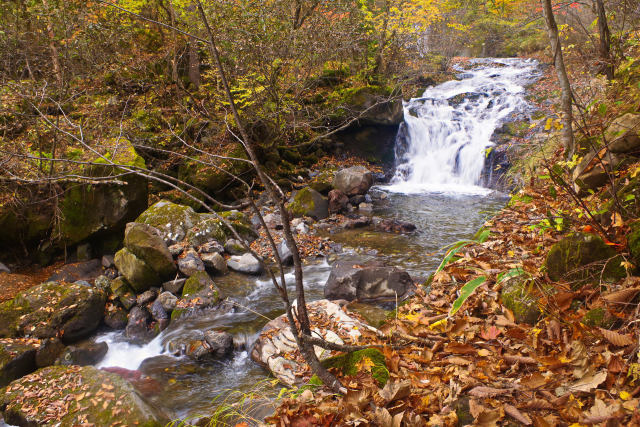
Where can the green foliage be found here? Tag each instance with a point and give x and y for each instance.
(467, 290)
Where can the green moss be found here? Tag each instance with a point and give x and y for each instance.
(196, 283)
(348, 364)
(633, 242)
(517, 296)
(598, 317)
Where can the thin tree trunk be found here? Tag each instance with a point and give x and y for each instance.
(174, 48)
(306, 349)
(53, 50)
(563, 79)
(605, 40)
(194, 63)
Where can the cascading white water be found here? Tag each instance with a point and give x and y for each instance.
(448, 130)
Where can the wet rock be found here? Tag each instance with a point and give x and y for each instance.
(220, 343)
(389, 225)
(354, 180)
(357, 199)
(275, 348)
(234, 247)
(359, 222)
(48, 352)
(159, 314)
(174, 286)
(308, 202)
(623, 135)
(137, 272)
(137, 330)
(147, 296)
(69, 273)
(284, 253)
(350, 281)
(126, 407)
(583, 258)
(365, 207)
(146, 243)
(107, 261)
(4, 268)
(143, 384)
(190, 263)
(211, 247)
(168, 301)
(246, 263)
(199, 292)
(214, 261)
(116, 318)
(120, 288)
(51, 309)
(84, 354)
(337, 201)
(17, 358)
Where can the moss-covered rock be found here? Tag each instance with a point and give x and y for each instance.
(76, 396)
(172, 220)
(351, 364)
(308, 202)
(633, 242)
(146, 243)
(598, 317)
(323, 182)
(17, 358)
(200, 291)
(52, 309)
(358, 99)
(207, 228)
(583, 258)
(98, 210)
(517, 296)
(121, 289)
(137, 272)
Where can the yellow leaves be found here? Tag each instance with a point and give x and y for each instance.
(365, 364)
(625, 395)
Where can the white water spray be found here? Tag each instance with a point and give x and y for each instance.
(449, 129)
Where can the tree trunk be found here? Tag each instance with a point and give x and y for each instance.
(174, 49)
(605, 41)
(53, 50)
(563, 79)
(194, 63)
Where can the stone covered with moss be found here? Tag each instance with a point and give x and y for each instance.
(172, 220)
(17, 358)
(199, 292)
(633, 242)
(74, 395)
(146, 243)
(373, 99)
(72, 311)
(96, 210)
(351, 363)
(137, 272)
(517, 296)
(308, 202)
(598, 317)
(583, 258)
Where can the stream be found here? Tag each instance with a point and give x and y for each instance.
(439, 162)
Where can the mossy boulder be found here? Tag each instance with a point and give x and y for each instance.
(352, 363)
(72, 311)
(17, 358)
(207, 229)
(308, 202)
(323, 182)
(633, 242)
(517, 295)
(123, 291)
(172, 220)
(76, 395)
(598, 317)
(137, 272)
(200, 291)
(377, 101)
(93, 211)
(583, 258)
(146, 243)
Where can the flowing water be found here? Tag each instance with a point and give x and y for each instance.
(436, 187)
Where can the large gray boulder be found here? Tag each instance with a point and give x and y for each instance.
(353, 181)
(308, 202)
(246, 263)
(276, 348)
(23, 401)
(623, 135)
(173, 221)
(71, 311)
(146, 243)
(137, 272)
(215, 262)
(350, 281)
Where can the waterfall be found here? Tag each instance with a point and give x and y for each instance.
(446, 133)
